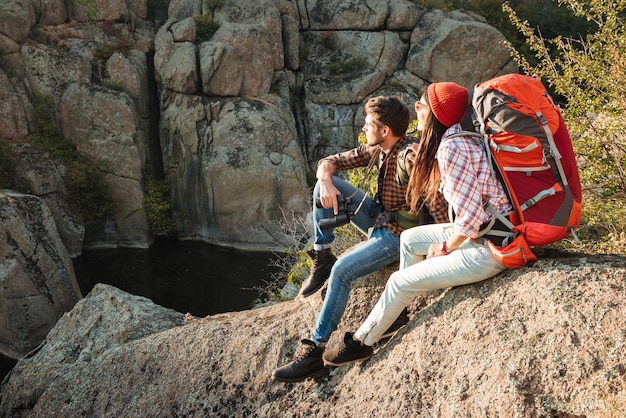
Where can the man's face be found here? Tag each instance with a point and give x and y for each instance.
(373, 132)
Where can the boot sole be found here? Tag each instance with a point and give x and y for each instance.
(388, 335)
(315, 375)
(391, 332)
(337, 364)
(312, 292)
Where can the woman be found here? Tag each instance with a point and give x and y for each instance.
(439, 255)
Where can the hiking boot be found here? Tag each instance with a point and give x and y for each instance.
(321, 263)
(348, 352)
(307, 363)
(397, 324)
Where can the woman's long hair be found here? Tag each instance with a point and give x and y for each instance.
(425, 176)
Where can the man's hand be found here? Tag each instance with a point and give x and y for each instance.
(328, 191)
(411, 155)
(328, 195)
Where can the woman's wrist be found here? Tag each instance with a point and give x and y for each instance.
(444, 248)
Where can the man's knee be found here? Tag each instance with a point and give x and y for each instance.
(345, 271)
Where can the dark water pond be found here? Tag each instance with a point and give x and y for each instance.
(189, 277)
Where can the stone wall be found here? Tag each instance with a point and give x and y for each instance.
(235, 122)
(37, 281)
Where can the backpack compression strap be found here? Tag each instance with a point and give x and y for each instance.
(406, 219)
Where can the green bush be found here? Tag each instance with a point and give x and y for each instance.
(90, 6)
(587, 73)
(205, 28)
(158, 207)
(7, 169)
(353, 64)
(88, 193)
(46, 132)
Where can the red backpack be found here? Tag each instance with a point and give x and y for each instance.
(532, 154)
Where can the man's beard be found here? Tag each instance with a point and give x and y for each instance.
(374, 141)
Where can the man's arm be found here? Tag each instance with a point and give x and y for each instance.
(328, 192)
(326, 167)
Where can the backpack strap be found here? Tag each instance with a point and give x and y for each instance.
(404, 218)
(497, 216)
(499, 229)
(540, 196)
(373, 161)
(552, 153)
(402, 174)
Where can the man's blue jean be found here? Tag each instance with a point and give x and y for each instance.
(380, 249)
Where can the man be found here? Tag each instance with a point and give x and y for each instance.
(381, 219)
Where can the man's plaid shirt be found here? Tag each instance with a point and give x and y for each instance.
(391, 193)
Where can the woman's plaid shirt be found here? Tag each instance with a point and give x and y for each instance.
(391, 193)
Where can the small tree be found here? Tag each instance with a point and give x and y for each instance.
(588, 76)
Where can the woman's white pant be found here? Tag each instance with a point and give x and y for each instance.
(470, 263)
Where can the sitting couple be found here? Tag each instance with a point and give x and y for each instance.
(444, 171)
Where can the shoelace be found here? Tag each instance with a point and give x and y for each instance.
(304, 351)
(314, 262)
(346, 346)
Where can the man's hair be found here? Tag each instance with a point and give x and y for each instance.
(390, 111)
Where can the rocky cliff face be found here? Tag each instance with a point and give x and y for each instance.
(37, 281)
(545, 340)
(234, 120)
(233, 102)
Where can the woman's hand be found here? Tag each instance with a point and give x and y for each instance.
(446, 247)
(435, 250)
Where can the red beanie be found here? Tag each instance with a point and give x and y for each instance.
(448, 102)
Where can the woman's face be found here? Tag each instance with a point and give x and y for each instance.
(422, 110)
